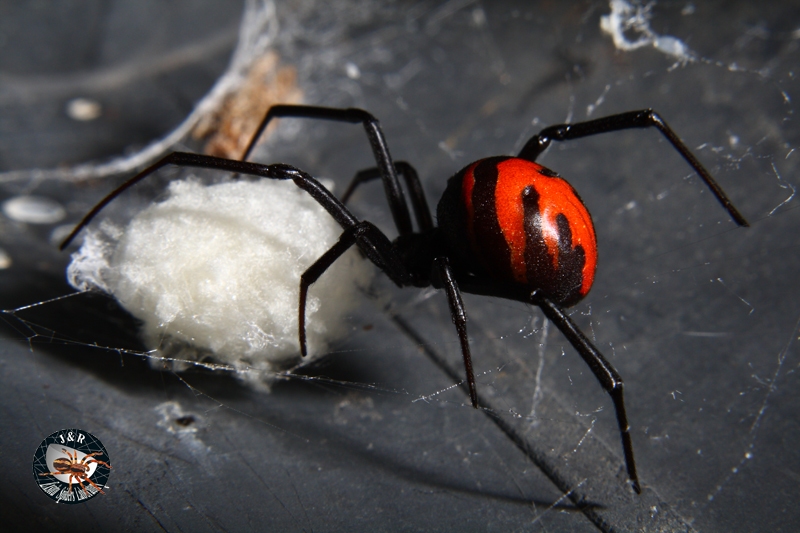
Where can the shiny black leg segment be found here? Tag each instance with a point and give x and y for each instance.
(633, 119)
(608, 377)
(391, 184)
(419, 203)
(184, 159)
(444, 275)
(376, 247)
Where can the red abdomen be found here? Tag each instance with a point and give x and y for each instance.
(517, 221)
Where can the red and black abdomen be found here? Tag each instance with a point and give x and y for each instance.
(516, 221)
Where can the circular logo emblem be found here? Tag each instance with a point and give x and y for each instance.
(71, 466)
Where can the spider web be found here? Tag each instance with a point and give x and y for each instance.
(701, 319)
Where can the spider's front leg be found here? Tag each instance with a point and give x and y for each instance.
(375, 246)
(443, 275)
(97, 461)
(645, 118)
(185, 159)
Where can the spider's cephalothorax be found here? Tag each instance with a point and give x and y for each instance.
(508, 228)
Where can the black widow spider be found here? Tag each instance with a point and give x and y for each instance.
(508, 228)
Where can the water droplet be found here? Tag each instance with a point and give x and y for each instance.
(5, 259)
(33, 210)
(83, 109)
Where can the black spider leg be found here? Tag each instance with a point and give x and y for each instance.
(380, 251)
(633, 119)
(380, 149)
(443, 275)
(605, 373)
(375, 245)
(419, 203)
(184, 159)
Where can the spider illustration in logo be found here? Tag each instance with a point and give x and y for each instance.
(76, 467)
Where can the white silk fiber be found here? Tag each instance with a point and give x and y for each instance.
(218, 268)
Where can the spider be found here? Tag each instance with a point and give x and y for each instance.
(76, 469)
(507, 227)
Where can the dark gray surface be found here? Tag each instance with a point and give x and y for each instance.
(700, 318)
